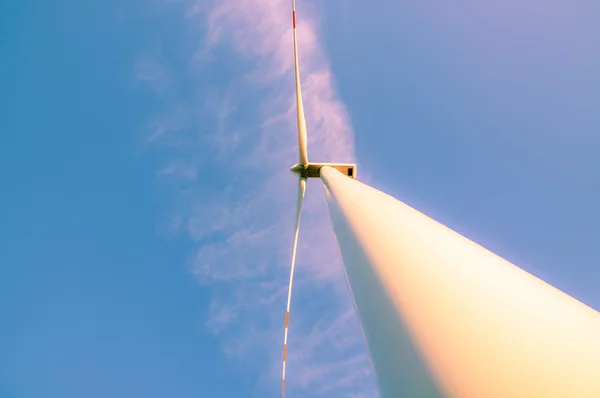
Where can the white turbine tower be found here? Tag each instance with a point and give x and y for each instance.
(441, 315)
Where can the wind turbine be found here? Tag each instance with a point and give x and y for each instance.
(441, 315)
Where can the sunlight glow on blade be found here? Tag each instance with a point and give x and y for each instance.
(302, 140)
(301, 191)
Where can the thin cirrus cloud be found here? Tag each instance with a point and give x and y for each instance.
(229, 145)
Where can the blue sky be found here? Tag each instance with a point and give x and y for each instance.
(146, 206)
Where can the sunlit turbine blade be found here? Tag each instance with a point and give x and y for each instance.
(301, 190)
(302, 140)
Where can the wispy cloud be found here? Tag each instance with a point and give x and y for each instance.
(229, 147)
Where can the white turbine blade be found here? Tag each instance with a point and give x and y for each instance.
(299, 106)
(301, 190)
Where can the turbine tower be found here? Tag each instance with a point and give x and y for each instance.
(441, 315)
(303, 170)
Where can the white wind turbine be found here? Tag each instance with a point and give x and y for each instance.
(441, 315)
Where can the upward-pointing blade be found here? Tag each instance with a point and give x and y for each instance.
(301, 190)
(299, 106)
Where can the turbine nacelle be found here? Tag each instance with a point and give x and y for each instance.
(313, 170)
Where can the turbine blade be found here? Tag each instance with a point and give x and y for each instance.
(301, 190)
(302, 140)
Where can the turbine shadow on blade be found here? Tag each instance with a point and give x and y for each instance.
(303, 170)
